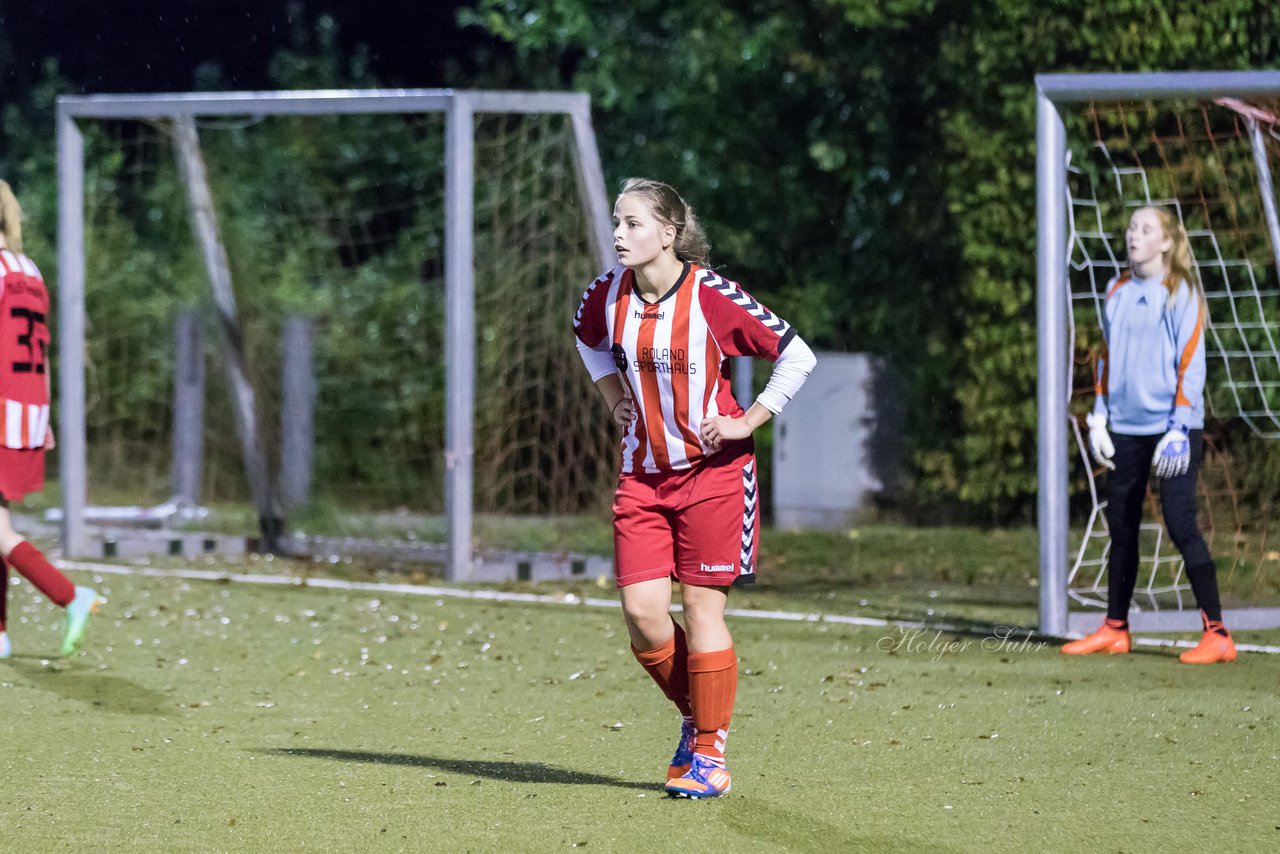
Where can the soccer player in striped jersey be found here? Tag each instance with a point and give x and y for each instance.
(656, 333)
(1150, 387)
(25, 432)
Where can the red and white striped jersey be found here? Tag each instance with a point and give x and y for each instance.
(24, 346)
(672, 356)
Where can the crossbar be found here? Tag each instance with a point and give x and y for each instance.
(1077, 88)
(311, 102)
(460, 108)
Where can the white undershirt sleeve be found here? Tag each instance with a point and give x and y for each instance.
(789, 373)
(599, 364)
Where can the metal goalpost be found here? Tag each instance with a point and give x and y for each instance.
(1053, 93)
(460, 109)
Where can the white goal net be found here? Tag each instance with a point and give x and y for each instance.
(383, 225)
(1209, 162)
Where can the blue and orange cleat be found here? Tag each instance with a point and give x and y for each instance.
(684, 752)
(87, 602)
(704, 779)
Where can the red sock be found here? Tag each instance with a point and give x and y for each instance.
(713, 682)
(669, 667)
(35, 567)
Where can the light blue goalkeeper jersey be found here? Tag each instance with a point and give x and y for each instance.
(1152, 365)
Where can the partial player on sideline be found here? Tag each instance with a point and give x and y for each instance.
(656, 333)
(25, 431)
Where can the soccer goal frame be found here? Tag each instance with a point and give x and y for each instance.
(460, 108)
(1053, 93)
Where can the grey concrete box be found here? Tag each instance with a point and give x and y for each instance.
(837, 446)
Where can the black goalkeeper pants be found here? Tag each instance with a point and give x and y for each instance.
(1126, 493)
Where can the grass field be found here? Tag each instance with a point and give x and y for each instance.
(242, 717)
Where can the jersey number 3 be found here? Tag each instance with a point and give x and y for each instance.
(35, 349)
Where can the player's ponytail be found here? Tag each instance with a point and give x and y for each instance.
(1177, 260)
(691, 242)
(10, 218)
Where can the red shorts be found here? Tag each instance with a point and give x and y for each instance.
(21, 472)
(700, 526)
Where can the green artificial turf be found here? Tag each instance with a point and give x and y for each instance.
(239, 717)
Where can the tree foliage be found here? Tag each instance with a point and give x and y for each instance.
(340, 218)
(865, 166)
(869, 168)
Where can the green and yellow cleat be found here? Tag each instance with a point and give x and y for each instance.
(87, 602)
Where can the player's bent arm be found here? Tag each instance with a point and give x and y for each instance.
(789, 373)
(793, 367)
(599, 363)
(716, 428)
(622, 409)
(604, 373)
(611, 390)
(756, 415)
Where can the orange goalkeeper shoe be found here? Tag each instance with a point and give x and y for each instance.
(1213, 647)
(1108, 639)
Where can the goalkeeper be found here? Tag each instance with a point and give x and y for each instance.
(1148, 415)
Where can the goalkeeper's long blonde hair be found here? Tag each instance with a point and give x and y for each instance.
(1178, 266)
(10, 218)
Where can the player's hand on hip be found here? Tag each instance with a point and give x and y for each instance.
(1173, 454)
(718, 428)
(624, 412)
(49, 442)
(1100, 444)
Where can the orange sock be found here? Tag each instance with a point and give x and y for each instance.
(35, 567)
(669, 667)
(713, 683)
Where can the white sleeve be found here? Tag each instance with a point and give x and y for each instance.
(29, 267)
(789, 373)
(599, 363)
